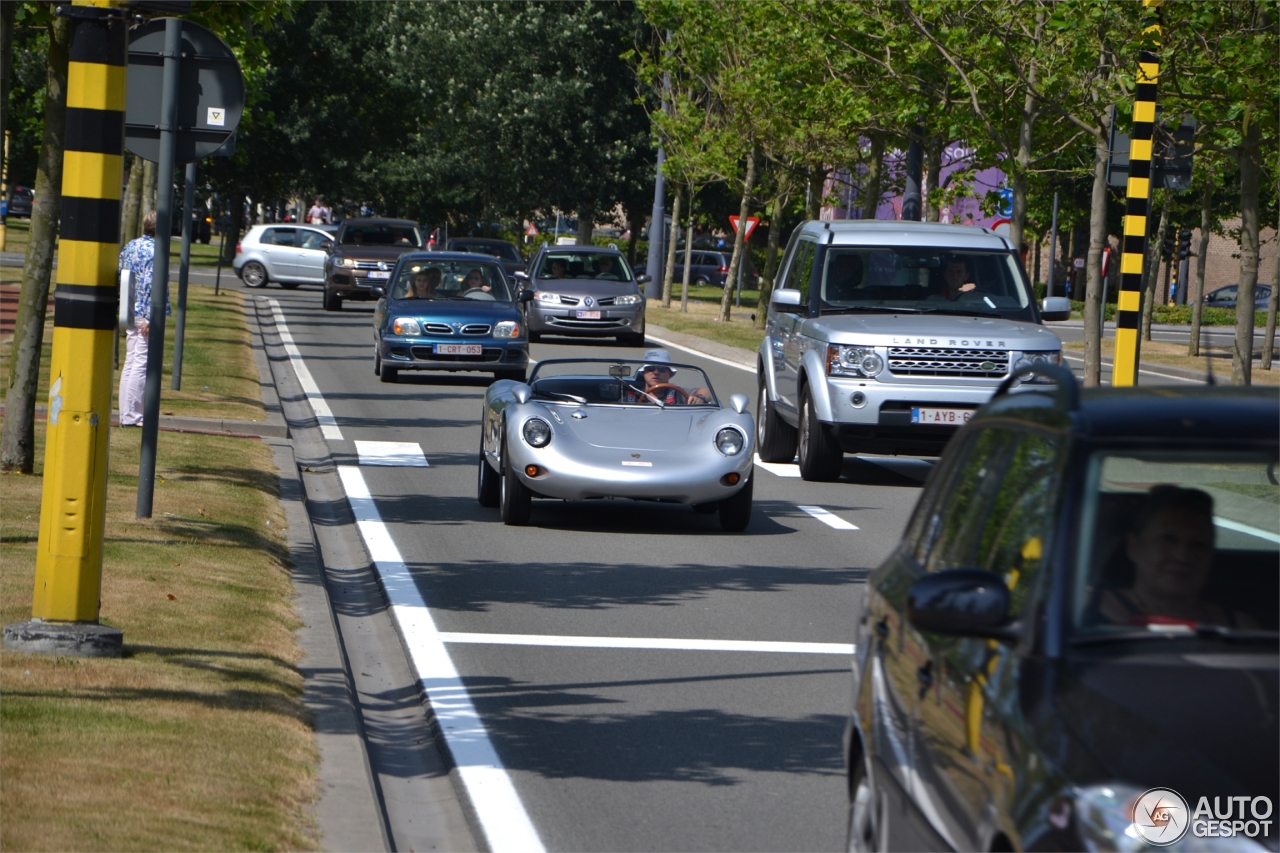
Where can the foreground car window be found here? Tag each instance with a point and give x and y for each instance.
(482, 282)
(622, 383)
(1173, 543)
(932, 280)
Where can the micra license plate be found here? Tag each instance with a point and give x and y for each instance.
(922, 415)
(458, 349)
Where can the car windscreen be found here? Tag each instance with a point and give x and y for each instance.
(857, 279)
(506, 251)
(1178, 542)
(622, 383)
(407, 236)
(476, 280)
(607, 266)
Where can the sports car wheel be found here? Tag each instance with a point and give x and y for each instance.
(389, 374)
(488, 482)
(821, 458)
(253, 274)
(862, 829)
(332, 301)
(735, 512)
(775, 438)
(515, 502)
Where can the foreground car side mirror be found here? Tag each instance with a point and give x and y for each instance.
(522, 393)
(784, 296)
(738, 402)
(1056, 308)
(962, 602)
(526, 295)
(378, 292)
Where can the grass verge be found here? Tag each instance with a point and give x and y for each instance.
(1175, 355)
(202, 255)
(702, 319)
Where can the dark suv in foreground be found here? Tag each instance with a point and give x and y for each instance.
(363, 255)
(1074, 647)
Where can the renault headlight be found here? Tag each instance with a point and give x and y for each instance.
(628, 299)
(548, 298)
(845, 360)
(507, 329)
(730, 442)
(406, 326)
(537, 432)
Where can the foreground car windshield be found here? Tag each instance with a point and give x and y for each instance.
(1178, 543)
(605, 265)
(451, 280)
(621, 382)
(914, 279)
(382, 235)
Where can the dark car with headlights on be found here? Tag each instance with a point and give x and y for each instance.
(463, 316)
(363, 254)
(586, 291)
(1083, 608)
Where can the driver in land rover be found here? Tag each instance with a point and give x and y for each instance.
(656, 386)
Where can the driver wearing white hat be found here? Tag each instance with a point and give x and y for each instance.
(656, 385)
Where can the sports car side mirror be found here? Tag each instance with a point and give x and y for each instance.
(738, 402)
(1056, 308)
(526, 295)
(522, 393)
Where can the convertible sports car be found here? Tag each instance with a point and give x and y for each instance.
(603, 428)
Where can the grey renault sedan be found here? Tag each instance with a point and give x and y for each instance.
(586, 291)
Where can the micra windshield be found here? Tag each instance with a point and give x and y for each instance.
(622, 383)
(475, 280)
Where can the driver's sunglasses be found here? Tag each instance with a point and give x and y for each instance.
(666, 370)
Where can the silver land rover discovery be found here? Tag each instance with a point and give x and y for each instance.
(884, 337)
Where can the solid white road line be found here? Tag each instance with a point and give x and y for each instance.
(400, 454)
(328, 424)
(828, 519)
(716, 358)
(498, 808)
(779, 469)
(1244, 528)
(664, 643)
(1080, 358)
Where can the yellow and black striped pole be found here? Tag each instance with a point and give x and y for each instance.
(73, 509)
(1124, 370)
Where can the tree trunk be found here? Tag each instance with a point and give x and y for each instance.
(875, 175)
(1022, 157)
(817, 183)
(149, 180)
(688, 256)
(770, 259)
(1269, 340)
(668, 275)
(131, 214)
(1196, 294)
(748, 184)
(633, 229)
(1035, 261)
(17, 446)
(933, 179)
(1249, 158)
(1152, 275)
(1093, 274)
(585, 226)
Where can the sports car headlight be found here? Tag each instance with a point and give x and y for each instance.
(853, 361)
(537, 432)
(507, 329)
(628, 299)
(406, 326)
(730, 442)
(548, 298)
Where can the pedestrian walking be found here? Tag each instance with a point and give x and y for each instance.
(138, 257)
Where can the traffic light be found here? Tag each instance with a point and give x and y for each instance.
(1184, 244)
(1166, 251)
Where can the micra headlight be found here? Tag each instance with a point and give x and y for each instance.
(628, 299)
(845, 360)
(730, 442)
(537, 432)
(406, 326)
(507, 329)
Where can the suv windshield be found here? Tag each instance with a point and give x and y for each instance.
(405, 236)
(604, 265)
(1179, 542)
(451, 280)
(621, 383)
(926, 280)
(505, 251)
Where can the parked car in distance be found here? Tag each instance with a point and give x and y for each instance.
(584, 429)
(289, 255)
(507, 253)
(885, 337)
(20, 199)
(1083, 608)
(585, 291)
(448, 311)
(363, 255)
(708, 268)
(1225, 297)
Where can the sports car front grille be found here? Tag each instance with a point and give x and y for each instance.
(948, 361)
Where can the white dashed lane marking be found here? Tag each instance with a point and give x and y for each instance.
(828, 519)
(400, 454)
(778, 469)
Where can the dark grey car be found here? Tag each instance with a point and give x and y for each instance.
(586, 291)
(1225, 297)
(506, 252)
(708, 268)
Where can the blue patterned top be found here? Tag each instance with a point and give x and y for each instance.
(138, 256)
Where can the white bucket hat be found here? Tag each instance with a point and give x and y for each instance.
(655, 357)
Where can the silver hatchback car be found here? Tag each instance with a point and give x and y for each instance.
(288, 254)
(584, 290)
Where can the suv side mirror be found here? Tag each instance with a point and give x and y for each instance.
(784, 298)
(1056, 308)
(962, 602)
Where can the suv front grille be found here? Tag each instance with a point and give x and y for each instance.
(948, 361)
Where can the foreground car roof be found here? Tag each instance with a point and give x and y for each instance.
(916, 234)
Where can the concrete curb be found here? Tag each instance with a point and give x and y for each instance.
(204, 426)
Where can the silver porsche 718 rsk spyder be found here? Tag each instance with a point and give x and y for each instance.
(645, 429)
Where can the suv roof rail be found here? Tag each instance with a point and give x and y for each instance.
(1066, 389)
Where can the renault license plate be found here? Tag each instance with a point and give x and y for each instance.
(922, 415)
(379, 274)
(458, 349)
(587, 315)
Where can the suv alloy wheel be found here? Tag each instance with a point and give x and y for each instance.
(821, 458)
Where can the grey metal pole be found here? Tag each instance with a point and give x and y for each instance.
(657, 220)
(160, 267)
(180, 322)
(1053, 247)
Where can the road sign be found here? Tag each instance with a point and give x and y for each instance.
(752, 222)
(1006, 202)
(210, 92)
(531, 231)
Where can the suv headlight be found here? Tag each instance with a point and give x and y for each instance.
(628, 299)
(537, 432)
(507, 329)
(1036, 359)
(406, 326)
(548, 298)
(345, 262)
(853, 361)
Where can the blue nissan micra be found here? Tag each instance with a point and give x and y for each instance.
(449, 311)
